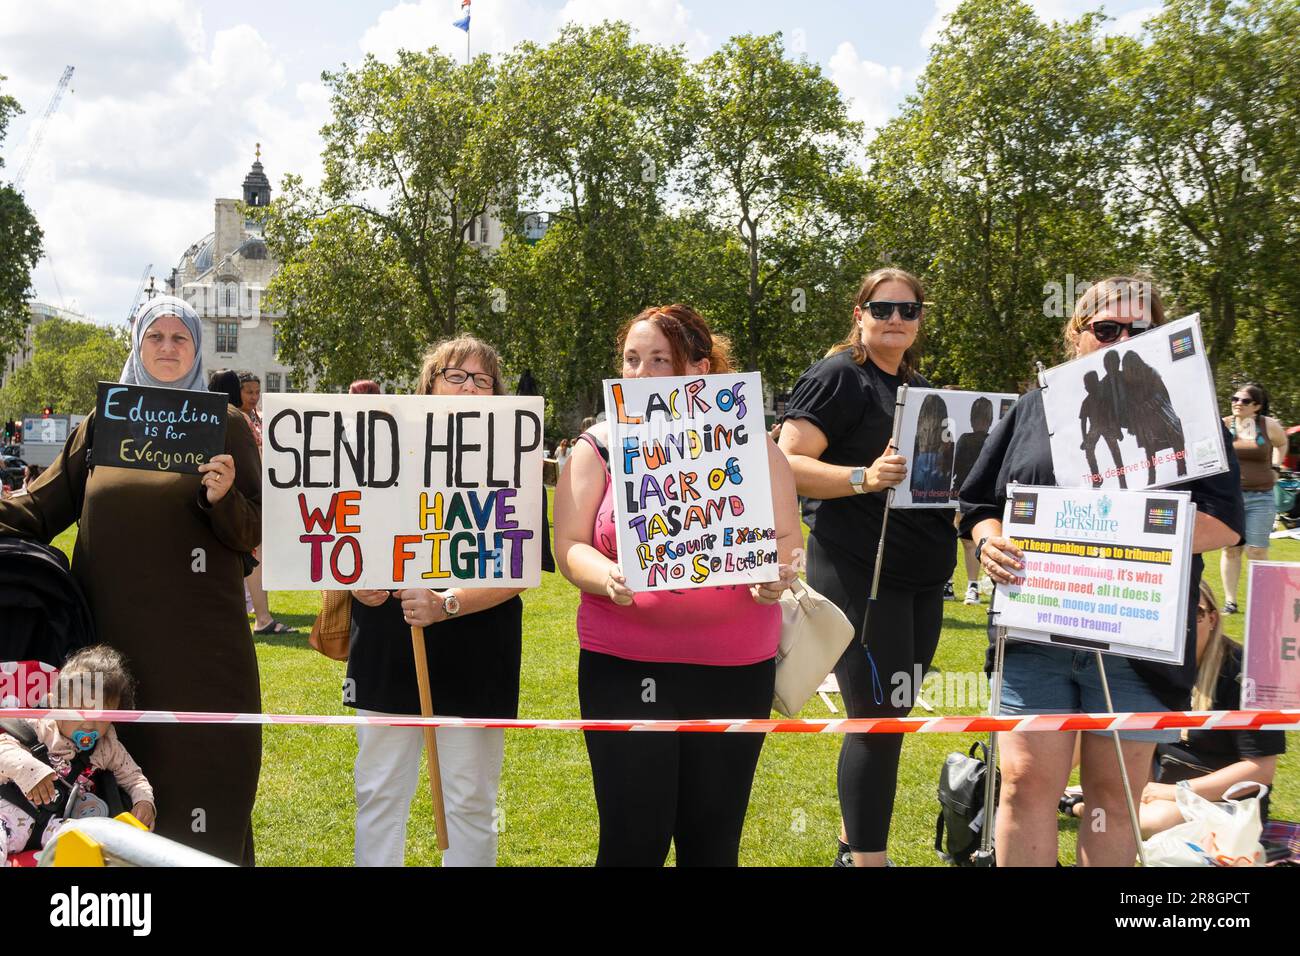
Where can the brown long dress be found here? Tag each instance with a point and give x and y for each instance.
(164, 577)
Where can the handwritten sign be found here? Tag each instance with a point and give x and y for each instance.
(386, 491)
(157, 429)
(692, 493)
(1105, 570)
(1139, 414)
(941, 433)
(1271, 671)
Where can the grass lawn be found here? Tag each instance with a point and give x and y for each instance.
(304, 807)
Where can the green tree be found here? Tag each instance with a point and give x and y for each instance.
(1208, 105)
(597, 115)
(68, 361)
(20, 249)
(771, 161)
(995, 185)
(386, 256)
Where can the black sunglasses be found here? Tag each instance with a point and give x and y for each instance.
(907, 311)
(1243, 400)
(1106, 331)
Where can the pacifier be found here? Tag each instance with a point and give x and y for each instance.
(85, 740)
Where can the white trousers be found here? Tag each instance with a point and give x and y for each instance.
(386, 776)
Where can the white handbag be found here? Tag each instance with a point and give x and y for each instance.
(814, 634)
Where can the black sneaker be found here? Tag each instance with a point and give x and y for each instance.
(948, 593)
(1229, 607)
(843, 855)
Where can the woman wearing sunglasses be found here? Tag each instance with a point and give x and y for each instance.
(1260, 444)
(1038, 679)
(836, 433)
(473, 638)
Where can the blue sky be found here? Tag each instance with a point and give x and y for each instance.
(169, 96)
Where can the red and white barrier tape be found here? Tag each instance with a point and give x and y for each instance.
(1167, 720)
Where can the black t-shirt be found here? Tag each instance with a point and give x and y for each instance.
(474, 659)
(1216, 749)
(1018, 450)
(853, 405)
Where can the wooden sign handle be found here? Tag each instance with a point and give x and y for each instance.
(430, 736)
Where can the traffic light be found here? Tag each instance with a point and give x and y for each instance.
(47, 411)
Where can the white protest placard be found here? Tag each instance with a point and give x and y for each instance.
(1141, 413)
(1270, 674)
(389, 491)
(941, 433)
(1104, 570)
(692, 492)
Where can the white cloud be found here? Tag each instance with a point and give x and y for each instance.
(1049, 10)
(656, 21)
(161, 119)
(873, 89)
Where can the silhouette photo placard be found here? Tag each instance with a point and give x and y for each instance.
(1141, 413)
(941, 434)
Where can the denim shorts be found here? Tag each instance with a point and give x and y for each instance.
(1039, 679)
(1261, 513)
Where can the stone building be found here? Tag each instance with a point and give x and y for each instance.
(224, 276)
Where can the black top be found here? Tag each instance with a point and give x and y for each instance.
(473, 658)
(1018, 450)
(853, 405)
(1216, 749)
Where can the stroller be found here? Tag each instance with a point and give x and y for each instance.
(45, 619)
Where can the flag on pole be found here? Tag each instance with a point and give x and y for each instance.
(463, 22)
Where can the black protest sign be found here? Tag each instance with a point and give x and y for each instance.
(157, 429)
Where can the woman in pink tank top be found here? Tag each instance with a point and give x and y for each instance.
(702, 652)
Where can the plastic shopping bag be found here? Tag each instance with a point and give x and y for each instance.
(1213, 834)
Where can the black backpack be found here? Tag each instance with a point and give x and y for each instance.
(961, 806)
(105, 784)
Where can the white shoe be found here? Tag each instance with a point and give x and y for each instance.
(972, 595)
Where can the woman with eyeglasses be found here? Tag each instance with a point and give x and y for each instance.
(473, 639)
(1042, 679)
(1260, 444)
(1210, 761)
(836, 433)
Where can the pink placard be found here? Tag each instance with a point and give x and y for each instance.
(1271, 676)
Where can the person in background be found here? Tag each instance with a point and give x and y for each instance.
(230, 383)
(30, 474)
(364, 386)
(562, 455)
(706, 652)
(250, 396)
(1260, 444)
(1045, 679)
(837, 434)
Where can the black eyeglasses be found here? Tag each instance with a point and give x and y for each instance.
(907, 311)
(458, 376)
(1106, 331)
(1243, 400)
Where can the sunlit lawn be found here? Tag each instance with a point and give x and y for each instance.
(304, 807)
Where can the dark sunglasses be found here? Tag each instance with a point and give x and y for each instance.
(907, 311)
(1243, 400)
(1107, 331)
(1202, 612)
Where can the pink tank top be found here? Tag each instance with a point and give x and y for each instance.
(720, 626)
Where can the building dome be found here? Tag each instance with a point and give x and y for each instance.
(200, 253)
(254, 247)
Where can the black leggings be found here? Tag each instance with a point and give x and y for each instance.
(902, 637)
(653, 787)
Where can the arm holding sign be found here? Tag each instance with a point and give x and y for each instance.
(231, 492)
(577, 500)
(804, 444)
(789, 537)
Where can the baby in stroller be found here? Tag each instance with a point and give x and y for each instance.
(52, 770)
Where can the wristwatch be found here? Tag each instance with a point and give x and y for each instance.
(451, 604)
(857, 479)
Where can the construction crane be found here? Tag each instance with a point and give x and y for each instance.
(135, 299)
(41, 125)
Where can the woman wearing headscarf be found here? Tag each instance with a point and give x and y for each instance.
(161, 559)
